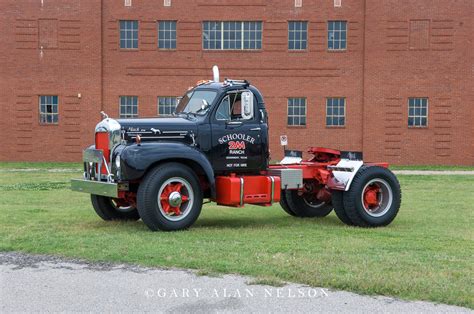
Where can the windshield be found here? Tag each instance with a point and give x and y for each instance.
(196, 101)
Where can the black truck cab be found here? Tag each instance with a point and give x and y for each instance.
(226, 122)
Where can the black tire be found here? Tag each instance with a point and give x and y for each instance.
(389, 197)
(152, 213)
(107, 210)
(284, 204)
(298, 205)
(337, 198)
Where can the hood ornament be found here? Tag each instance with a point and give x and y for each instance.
(104, 115)
(155, 131)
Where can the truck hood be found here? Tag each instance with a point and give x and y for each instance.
(159, 129)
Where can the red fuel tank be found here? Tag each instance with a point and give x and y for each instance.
(240, 190)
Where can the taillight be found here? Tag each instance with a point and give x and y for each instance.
(102, 142)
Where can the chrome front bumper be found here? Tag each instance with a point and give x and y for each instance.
(93, 182)
(95, 187)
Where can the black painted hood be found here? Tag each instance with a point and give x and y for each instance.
(159, 129)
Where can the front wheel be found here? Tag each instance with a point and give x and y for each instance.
(169, 198)
(306, 205)
(374, 197)
(110, 209)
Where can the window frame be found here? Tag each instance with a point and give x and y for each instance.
(46, 114)
(165, 40)
(125, 40)
(120, 107)
(306, 39)
(221, 31)
(166, 98)
(228, 95)
(298, 116)
(414, 116)
(338, 116)
(339, 40)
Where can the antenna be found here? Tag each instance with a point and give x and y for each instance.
(215, 72)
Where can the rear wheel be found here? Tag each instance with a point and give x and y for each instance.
(306, 205)
(108, 208)
(374, 197)
(284, 204)
(169, 198)
(337, 198)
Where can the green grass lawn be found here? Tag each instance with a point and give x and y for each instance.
(426, 253)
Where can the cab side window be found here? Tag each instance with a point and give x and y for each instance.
(230, 108)
(236, 108)
(223, 112)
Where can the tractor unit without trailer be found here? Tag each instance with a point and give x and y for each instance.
(215, 147)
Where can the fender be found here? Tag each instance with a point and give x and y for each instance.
(137, 159)
(343, 174)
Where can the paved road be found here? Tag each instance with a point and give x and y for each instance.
(42, 283)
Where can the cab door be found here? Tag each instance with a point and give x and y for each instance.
(236, 134)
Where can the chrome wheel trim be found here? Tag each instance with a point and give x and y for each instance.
(122, 209)
(185, 207)
(385, 198)
(319, 205)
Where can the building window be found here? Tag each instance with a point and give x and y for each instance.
(335, 112)
(166, 106)
(296, 111)
(297, 35)
(337, 35)
(128, 106)
(218, 35)
(252, 35)
(232, 35)
(48, 109)
(167, 34)
(129, 34)
(417, 112)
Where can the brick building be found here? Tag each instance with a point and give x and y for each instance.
(392, 78)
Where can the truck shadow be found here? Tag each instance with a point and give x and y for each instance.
(252, 222)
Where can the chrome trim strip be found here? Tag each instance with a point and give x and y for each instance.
(273, 190)
(144, 137)
(138, 132)
(95, 187)
(180, 132)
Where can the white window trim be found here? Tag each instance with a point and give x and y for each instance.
(242, 35)
(158, 105)
(299, 116)
(419, 116)
(336, 115)
(347, 35)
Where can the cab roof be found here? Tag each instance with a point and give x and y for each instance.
(231, 85)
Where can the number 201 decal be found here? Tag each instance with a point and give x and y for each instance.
(236, 145)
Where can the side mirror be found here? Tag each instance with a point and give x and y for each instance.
(247, 105)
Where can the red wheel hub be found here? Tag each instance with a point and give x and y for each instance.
(371, 198)
(172, 197)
